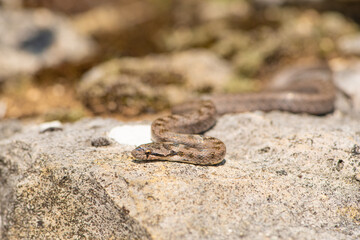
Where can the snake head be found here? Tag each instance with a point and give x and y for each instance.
(153, 151)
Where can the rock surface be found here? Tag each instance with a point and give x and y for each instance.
(285, 177)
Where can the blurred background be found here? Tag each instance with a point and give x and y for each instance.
(134, 59)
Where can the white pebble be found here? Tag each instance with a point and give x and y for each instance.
(46, 125)
(131, 134)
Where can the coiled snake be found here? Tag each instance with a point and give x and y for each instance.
(176, 136)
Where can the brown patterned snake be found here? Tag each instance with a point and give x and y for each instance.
(175, 137)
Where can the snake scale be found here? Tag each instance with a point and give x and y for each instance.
(177, 137)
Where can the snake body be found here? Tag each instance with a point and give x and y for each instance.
(176, 137)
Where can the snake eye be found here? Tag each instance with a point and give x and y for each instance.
(148, 152)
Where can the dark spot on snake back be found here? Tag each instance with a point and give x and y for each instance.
(186, 147)
(200, 156)
(157, 146)
(218, 143)
(172, 117)
(167, 146)
(157, 124)
(160, 120)
(181, 154)
(162, 131)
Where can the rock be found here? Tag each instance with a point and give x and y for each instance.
(50, 127)
(350, 44)
(66, 207)
(100, 142)
(9, 127)
(347, 79)
(135, 85)
(131, 134)
(280, 168)
(30, 40)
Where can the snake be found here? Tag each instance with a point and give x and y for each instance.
(178, 137)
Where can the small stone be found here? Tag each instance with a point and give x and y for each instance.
(100, 142)
(50, 127)
(131, 134)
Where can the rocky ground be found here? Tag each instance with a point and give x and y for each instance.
(96, 69)
(284, 176)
